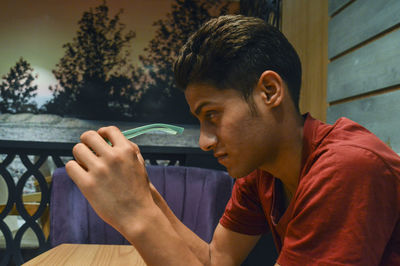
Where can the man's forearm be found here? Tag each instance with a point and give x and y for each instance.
(156, 241)
(198, 246)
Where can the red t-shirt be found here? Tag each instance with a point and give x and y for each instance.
(346, 207)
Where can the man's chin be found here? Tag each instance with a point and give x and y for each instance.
(237, 173)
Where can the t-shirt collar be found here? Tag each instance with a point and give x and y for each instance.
(314, 131)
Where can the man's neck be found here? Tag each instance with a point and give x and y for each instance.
(287, 166)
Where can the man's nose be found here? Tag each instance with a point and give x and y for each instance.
(207, 140)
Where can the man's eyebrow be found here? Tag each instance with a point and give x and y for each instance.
(198, 109)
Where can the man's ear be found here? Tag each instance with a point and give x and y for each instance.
(271, 87)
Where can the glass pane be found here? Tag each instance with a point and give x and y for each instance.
(162, 162)
(12, 223)
(3, 192)
(65, 159)
(2, 241)
(47, 169)
(31, 185)
(16, 169)
(29, 239)
(2, 157)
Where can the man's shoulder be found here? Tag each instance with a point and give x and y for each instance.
(352, 154)
(349, 171)
(357, 162)
(348, 142)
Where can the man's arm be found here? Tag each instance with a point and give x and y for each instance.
(199, 247)
(114, 180)
(226, 248)
(230, 248)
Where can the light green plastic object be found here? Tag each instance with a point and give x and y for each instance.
(169, 129)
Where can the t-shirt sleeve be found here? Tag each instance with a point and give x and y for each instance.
(344, 213)
(243, 213)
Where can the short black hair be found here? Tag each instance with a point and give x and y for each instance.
(232, 51)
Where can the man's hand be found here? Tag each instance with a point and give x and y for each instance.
(112, 178)
(115, 182)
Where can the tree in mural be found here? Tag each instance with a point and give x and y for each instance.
(267, 10)
(172, 32)
(95, 76)
(17, 90)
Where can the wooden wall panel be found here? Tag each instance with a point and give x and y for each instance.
(370, 68)
(364, 68)
(305, 24)
(360, 21)
(335, 5)
(380, 114)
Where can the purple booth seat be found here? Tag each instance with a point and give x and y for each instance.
(197, 197)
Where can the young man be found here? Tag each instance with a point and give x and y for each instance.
(330, 194)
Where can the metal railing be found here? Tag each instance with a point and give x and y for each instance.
(34, 217)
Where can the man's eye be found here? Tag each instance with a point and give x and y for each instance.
(211, 115)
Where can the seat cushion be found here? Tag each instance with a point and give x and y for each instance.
(197, 196)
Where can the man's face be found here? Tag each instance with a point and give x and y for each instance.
(240, 139)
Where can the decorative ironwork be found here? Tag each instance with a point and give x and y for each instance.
(44, 152)
(15, 205)
(11, 195)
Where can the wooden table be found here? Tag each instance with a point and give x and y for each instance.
(80, 254)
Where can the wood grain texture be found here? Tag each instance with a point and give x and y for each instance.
(335, 5)
(80, 255)
(305, 23)
(360, 21)
(379, 114)
(367, 69)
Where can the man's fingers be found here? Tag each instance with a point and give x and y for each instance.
(95, 142)
(76, 173)
(138, 154)
(112, 134)
(83, 155)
